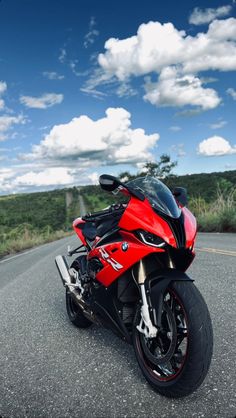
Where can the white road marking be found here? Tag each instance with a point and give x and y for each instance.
(206, 250)
(217, 251)
(19, 255)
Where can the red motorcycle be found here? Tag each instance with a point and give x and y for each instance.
(130, 277)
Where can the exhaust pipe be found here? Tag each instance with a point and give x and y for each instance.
(63, 269)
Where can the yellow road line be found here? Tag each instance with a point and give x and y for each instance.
(217, 251)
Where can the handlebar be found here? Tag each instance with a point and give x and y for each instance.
(91, 217)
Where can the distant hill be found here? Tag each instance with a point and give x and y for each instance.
(58, 207)
(53, 208)
(32, 218)
(204, 184)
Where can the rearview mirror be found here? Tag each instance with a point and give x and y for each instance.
(180, 194)
(108, 183)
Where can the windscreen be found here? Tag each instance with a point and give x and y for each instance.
(159, 196)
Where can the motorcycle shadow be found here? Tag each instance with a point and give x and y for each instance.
(101, 344)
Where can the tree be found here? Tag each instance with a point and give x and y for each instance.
(127, 176)
(159, 169)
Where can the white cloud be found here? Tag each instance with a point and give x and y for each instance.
(216, 146)
(94, 178)
(93, 92)
(175, 128)
(201, 16)
(3, 88)
(62, 56)
(53, 75)
(11, 180)
(179, 150)
(6, 123)
(99, 77)
(109, 140)
(54, 176)
(218, 125)
(6, 175)
(42, 102)
(73, 65)
(232, 93)
(157, 47)
(154, 47)
(125, 90)
(173, 89)
(92, 34)
(230, 166)
(214, 50)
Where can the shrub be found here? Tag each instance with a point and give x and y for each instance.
(220, 214)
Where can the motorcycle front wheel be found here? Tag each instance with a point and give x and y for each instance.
(177, 360)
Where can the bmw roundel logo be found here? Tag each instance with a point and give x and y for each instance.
(125, 246)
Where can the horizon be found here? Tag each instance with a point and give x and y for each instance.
(48, 190)
(92, 88)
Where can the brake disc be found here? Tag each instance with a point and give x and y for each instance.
(160, 350)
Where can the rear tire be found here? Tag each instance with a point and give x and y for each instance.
(188, 318)
(75, 313)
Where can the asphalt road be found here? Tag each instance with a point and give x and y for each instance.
(49, 368)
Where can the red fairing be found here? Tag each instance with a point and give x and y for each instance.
(116, 261)
(78, 231)
(140, 215)
(190, 226)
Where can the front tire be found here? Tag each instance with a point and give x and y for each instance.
(176, 362)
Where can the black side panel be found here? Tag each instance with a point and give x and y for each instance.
(111, 236)
(115, 305)
(181, 257)
(177, 227)
(108, 223)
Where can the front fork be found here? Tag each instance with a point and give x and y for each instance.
(145, 326)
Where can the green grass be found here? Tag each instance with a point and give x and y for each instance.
(24, 237)
(218, 215)
(31, 219)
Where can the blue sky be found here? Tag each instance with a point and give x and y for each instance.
(88, 87)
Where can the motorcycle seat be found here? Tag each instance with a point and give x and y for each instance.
(99, 223)
(89, 230)
(107, 224)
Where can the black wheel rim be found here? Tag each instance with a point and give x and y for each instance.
(165, 355)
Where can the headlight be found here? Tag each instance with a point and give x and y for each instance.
(151, 239)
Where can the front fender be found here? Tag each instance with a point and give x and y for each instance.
(156, 285)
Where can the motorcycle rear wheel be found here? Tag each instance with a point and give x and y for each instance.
(177, 360)
(75, 313)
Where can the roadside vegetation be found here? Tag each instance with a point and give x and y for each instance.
(218, 215)
(211, 197)
(31, 219)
